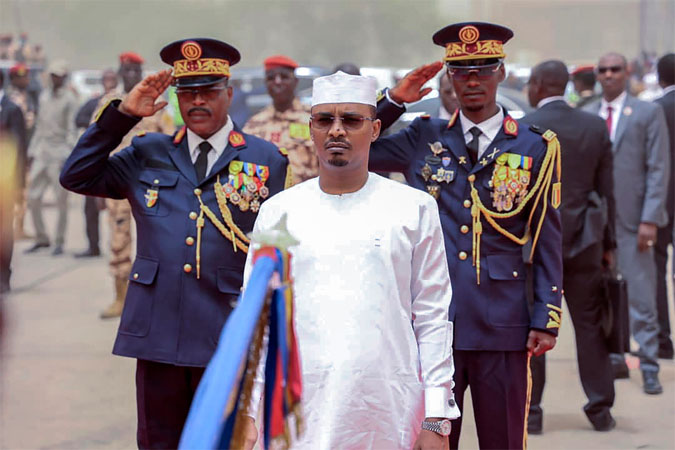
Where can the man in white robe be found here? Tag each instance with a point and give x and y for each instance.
(372, 289)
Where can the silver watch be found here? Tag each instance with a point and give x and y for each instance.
(441, 427)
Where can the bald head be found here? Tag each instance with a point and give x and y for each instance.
(552, 75)
(547, 79)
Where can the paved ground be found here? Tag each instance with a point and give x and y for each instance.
(61, 388)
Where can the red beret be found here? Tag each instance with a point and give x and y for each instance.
(131, 58)
(279, 61)
(582, 69)
(19, 69)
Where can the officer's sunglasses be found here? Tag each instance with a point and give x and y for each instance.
(613, 69)
(350, 122)
(462, 73)
(207, 93)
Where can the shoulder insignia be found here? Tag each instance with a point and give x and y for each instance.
(283, 151)
(180, 134)
(510, 126)
(453, 118)
(102, 108)
(537, 129)
(140, 133)
(549, 135)
(236, 139)
(425, 116)
(379, 96)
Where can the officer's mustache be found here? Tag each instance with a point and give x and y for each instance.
(198, 109)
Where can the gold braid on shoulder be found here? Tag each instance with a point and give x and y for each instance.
(539, 192)
(289, 177)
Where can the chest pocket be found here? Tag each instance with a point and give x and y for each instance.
(156, 188)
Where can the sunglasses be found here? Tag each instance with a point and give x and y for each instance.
(462, 73)
(350, 122)
(613, 69)
(207, 93)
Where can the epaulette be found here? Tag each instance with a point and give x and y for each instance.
(380, 95)
(236, 139)
(425, 116)
(102, 108)
(537, 129)
(510, 126)
(549, 135)
(283, 151)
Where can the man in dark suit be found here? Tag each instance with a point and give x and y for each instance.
(639, 138)
(666, 71)
(195, 196)
(13, 145)
(587, 212)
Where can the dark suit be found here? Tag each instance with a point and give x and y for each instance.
(588, 215)
(172, 318)
(491, 320)
(665, 235)
(13, 145)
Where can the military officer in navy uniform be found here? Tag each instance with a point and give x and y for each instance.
(194, 196)
(497, 185)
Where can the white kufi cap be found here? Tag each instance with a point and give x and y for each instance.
(344, 88)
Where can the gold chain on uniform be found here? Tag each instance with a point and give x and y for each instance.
(541, 186)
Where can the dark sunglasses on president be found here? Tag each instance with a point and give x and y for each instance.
(350, 122)
(482, 72)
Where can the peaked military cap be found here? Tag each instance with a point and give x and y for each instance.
(472, 40)
(199, 61)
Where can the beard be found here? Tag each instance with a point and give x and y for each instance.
(337, 161)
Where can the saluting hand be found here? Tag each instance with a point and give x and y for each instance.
(140, 102)
(409, 89)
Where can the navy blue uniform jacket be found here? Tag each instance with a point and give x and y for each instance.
(495, 314)
(169, 316)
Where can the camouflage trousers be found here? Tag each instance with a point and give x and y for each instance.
(119, 216)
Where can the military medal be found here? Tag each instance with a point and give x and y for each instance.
(436, 148)
(446, 161)
(426, 172)
(252, 186)
(255, 205)
(243, 205)
(151, 196)
(434, 190)
(235, 198)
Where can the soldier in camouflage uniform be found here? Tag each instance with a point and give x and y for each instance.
(285, 123)
(119, 211)
(18, 93)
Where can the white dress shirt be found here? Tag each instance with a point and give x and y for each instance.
(617, 107)
(218, 142)
(489, 129)
(372, 294)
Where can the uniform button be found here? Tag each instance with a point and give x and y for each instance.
(472, 178)
(462, 255)
(193, 215)
(189, 240)
(467, 203)
(464, 229)
(515, 274)
(136, 276)
(198, 191)
(187, 268)
(156, 181)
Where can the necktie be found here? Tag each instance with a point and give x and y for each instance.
(202, 160)
(609, 120)
(473, 144)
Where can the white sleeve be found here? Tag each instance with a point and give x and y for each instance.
(431, 294)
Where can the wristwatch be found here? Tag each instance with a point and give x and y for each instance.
(441, 427)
